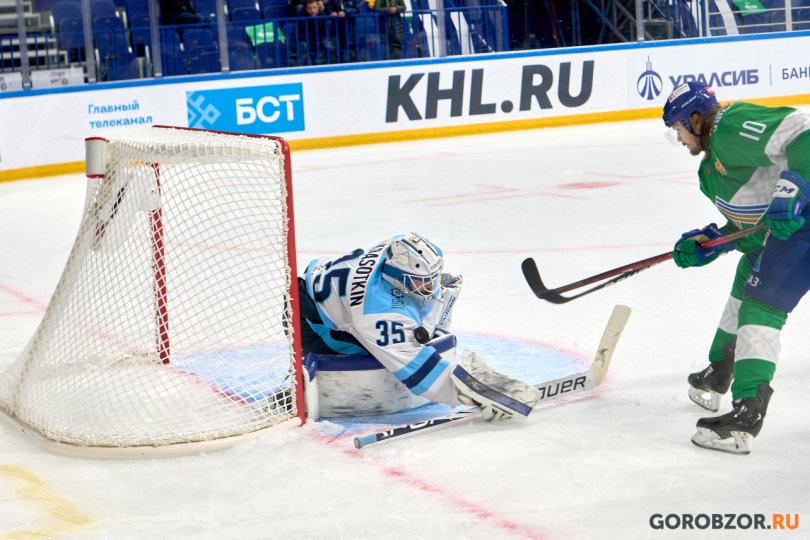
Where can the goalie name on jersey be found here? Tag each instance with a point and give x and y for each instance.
(365, 267)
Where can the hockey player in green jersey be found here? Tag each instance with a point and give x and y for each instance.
(755, 168)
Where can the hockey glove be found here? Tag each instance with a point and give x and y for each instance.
(688, 252)
(789, 197)
(497, 395)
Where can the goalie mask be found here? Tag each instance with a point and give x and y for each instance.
(688, 98)
(414, 265)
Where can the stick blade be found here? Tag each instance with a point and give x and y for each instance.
(607, 345)
(532, 275)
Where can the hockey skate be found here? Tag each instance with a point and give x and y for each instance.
(707, 386)
(734, 432)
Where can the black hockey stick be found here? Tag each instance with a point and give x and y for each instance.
(555, 296)
(549, 390)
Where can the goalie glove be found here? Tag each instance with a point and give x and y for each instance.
(785, 211)
(687, 251)
(497, 395)
(451, 288)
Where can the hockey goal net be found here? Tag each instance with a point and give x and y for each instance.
(174, 324)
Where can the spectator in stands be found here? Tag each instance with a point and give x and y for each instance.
(335, 8)
(342, 25)
(311, 35)
(364, 31)
(174, 12)
(297, 8)
(391, 23)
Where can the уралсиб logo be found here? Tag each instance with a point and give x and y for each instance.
(649, 84)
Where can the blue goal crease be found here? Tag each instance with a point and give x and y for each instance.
(527, 361)
(244, 374)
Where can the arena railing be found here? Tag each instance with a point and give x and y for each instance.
(83, 49)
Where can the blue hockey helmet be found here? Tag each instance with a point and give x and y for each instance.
(688, 98)
(413, 264)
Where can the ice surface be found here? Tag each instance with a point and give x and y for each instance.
(580, 201)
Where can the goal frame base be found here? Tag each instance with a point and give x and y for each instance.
(141, 452)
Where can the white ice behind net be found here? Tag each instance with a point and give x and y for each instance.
(168, 324)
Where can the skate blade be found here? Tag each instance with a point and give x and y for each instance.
(740, 442)
(705, 398)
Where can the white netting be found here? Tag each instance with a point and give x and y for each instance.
(168, 324)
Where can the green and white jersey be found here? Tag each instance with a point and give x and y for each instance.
(749, 146)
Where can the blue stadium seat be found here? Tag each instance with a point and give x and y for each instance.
(802, 21)
(236, 4)
(757, 23)
(116, 60)
(245, 14)
(136, 7)
(108, 24)
(202, 50)
(274, 9)
(778, 21)
(102, 8)
(367, 43)
(71, 38)
(140, 33)
(204, 62)
(272, 55)
(199, 39)
(65, 9)
(171, 56)
(208, 8)
(799, 12)
(241, 56)
(775, 15)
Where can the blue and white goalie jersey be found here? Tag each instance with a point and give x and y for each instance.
(351, 296)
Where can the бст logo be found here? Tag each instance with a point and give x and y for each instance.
(649, 84)
(257, 110)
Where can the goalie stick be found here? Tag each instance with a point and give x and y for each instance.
(555, 296)
(549, 390)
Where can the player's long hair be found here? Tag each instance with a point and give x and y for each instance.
(707, 126)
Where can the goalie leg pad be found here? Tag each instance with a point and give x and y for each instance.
(499, 396)
(353, 385)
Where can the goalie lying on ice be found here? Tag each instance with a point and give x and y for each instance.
(390, 307)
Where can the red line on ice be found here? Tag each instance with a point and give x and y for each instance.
(21, 313)
(21, 297)
(446, 496)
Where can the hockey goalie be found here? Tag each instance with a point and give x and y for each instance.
(374, 333)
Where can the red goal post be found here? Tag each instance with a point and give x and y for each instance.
(174, 327)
